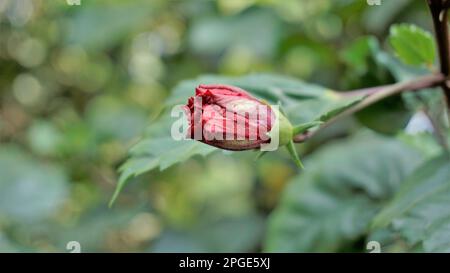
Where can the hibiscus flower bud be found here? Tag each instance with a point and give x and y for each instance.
(230, 118)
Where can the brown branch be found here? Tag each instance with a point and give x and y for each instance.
(363, 91)
(380, 93)
(447, 4)
(438, 9)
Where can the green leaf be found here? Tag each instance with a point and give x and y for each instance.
(413, 45)
(330, 204)
(399, 70)
(419, 210)
(305, 103)
(152, 153)
(425, 181)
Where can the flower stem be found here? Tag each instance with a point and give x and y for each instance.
(376, 94)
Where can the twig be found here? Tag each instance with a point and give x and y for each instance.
(377, 95)
(363, 91)
(438, 9)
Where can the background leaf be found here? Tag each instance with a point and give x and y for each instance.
(419, 210)
(100, 26)
(228, 235)
(412, 45)
(213, 35)
(145, 158)
(329, 206)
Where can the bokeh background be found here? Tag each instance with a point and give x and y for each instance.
(79, 84)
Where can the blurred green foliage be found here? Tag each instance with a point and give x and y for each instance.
(79, 85)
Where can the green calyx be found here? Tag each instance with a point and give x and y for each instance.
(283, 127)
(286, 133)
(286, 130)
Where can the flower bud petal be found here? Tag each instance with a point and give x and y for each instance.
(230, 118)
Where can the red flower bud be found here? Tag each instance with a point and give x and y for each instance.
(229, 118)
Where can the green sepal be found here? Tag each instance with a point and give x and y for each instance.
(285, 129)
(260, 154)
(291, 148)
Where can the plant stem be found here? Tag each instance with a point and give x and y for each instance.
(363, 91)
(438, 9)
(376, 94)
